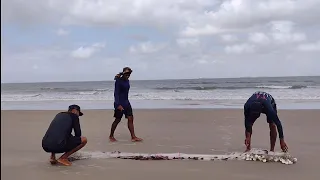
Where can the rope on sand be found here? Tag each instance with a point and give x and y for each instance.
(253, 155)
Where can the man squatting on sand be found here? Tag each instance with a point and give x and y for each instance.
(58, 138)
(262, 102)
(122, 104)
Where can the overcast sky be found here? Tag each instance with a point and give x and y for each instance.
(63, 40)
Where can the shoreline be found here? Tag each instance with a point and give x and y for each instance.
(150, 110)
(153, 104)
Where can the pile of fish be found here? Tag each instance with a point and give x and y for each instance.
(284, 159)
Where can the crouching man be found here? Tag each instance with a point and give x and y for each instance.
(58, 138)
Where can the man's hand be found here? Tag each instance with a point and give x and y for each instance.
(120, 108)
(283, 145)
(247, 142)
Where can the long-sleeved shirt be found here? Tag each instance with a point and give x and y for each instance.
(60, 130)
(267, 106)
(121, 92)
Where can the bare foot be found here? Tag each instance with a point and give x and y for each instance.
(136, 139)
(53, 161)
(65, 162)
(112, 139)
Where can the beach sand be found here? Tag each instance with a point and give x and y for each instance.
(163, 131)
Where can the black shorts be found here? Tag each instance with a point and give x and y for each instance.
(127, 112)
(256, 107)
(71, 143)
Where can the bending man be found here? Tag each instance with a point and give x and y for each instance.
(262, 102)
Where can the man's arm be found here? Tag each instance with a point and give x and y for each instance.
(248, 133)
(248, 127)
(116, 92)
(247, 124)
(76, 127)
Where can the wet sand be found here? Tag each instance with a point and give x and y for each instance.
(164, 131)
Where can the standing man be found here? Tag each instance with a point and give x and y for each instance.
(58, 138)
(262, 102)
(122, 105)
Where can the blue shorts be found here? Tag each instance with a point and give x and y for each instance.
(118, 114)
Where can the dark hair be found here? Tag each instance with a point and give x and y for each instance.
(76, 107)
(120, 74)
(127, 68)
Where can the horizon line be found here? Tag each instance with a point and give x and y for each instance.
(30, 82)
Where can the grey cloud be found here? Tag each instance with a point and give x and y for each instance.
(138, 37)
(288, 48)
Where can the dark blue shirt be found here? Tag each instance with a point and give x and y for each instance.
(60, 130)
(265, 103)
(121, 92)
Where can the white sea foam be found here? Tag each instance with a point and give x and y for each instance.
(278, 94)
(284, 87)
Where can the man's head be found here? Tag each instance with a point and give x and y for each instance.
(75, 109)
(126, 72)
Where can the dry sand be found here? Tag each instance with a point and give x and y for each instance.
(166, 131)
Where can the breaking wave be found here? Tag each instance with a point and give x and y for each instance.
(230, 87)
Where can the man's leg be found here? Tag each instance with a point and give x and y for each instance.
(64, 158)
(252, 113)
(134, 138)
(113, 128)
(271, 115)
(129, 116)
(118, 115)
(53, 159)
(273, 135)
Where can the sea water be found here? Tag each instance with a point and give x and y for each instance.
(289, 93)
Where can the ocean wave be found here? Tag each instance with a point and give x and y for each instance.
(70, 89)
(21, 95)
(222, 95)
(50, 88)
(283, 87)
(186, 88)
(154, 98)
(88, 93)
(230, 87)
(106, 89)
